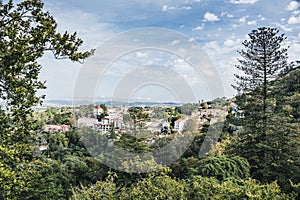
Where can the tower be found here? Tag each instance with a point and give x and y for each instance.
(98, 110)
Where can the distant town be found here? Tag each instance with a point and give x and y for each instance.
(154, 122)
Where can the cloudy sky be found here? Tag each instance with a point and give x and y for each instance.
(218, 27)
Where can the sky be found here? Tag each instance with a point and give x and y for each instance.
(217, 27)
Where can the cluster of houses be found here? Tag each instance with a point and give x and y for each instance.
(114, 119)
(111, 119)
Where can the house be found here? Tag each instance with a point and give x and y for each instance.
(90, 122)
(178, 125)
(56, 128)
(98, 110)
(65, 128)
(116, 122)
(153, 126)
(43, 147)
(104, 125)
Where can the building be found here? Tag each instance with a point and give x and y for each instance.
(56, 128)
(178, 125)
(98, 110)
(43, 147)
(153, 126)
(104, 125)
(90, 122)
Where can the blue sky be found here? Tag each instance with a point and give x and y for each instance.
(219, 27)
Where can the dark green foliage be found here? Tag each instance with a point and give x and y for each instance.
(210, 188)
(72, 167)
(198, 187)
(222, 168)
(172, 115)
(181, 168)
(26, 33)
(263, 59)
(60, 116)
(105, 190)
(138, 115)
(132, 144)
(187, 109)
(270, 137)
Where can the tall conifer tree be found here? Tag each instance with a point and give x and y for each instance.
(267, 140)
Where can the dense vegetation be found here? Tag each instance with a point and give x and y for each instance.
(256, 157)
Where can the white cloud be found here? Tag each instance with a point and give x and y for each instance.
(261, 17)
(243, 19)
(229, 42)
(294, 20)
(251, 23)
(185, 70)
(90, 29)
(191, 1)
(141, 55)
(243, 1)
(211, 17)
(296, 12)
(293, 5)
(186, 7)
(164, 8)
(294, 52)
(232, 43)
(234, 26)
(175, 42)
(192, 39)
(226, 14)
(199, 28)
(286, 29)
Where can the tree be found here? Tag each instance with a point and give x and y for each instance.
(157, 187)
(222, 168)
(26, 33)
(268, 139)
(211, 188)
(105, 190)
(263, 60)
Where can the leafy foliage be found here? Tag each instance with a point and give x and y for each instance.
(26, 33)
(269, 140)
(223, 167)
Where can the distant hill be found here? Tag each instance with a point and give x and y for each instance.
(60, 103)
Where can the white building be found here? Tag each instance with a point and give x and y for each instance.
(43, 147)
(98, 111)
(104, 125)
(90, 122)
(178, 125)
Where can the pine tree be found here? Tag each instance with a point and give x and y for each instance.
(263, 60)
(267, 140)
